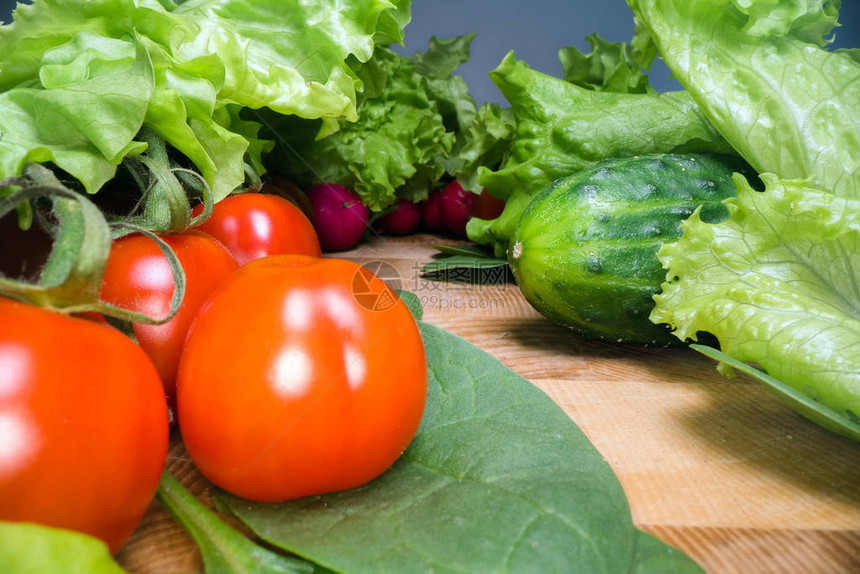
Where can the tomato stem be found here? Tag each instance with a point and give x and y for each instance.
(71, 279)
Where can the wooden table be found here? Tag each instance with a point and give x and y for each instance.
(717, 467)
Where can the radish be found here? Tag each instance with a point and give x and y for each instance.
(430, 214)
(339, 216)
(402, 220)
(456, 207)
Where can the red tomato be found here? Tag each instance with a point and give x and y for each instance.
(83, 424)
(138, 277)
(254, 225)
(323, 390)
(488, 206)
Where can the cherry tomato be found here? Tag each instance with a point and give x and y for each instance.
(488, 206)
(254, 225)
(321, 392)
(138, 277)
(83, 424)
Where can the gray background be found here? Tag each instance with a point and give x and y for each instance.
(535, 30)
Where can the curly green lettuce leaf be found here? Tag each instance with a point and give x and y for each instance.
(389, 28)
(482, 134)
(183, 109)
(290, 57)
(610, 66)
(417, 124)
(451, 94)
(759, 73)
(777, 284)
(43, 26)
(562, 129)
(482, 143)
(62, 68)
(80, 79)
(390, 151)
(55, 123)
(287, 56)
(807, 20)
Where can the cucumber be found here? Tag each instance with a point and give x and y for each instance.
(584, 252)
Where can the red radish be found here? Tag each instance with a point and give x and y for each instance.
(430, 211)
(339, 216)
(402, 220)
(456, 206)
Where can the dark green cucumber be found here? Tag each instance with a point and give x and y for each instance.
(584, 252)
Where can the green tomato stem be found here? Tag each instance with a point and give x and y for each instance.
(72, 277)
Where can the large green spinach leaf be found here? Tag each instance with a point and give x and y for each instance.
(224, 550)
(498, 479)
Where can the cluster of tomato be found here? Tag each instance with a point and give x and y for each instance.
(283, 380)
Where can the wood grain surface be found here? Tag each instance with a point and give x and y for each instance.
(717, 467)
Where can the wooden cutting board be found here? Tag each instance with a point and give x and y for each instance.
(717, 467)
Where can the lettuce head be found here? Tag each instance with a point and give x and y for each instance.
(761, 74)
(79, 80)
